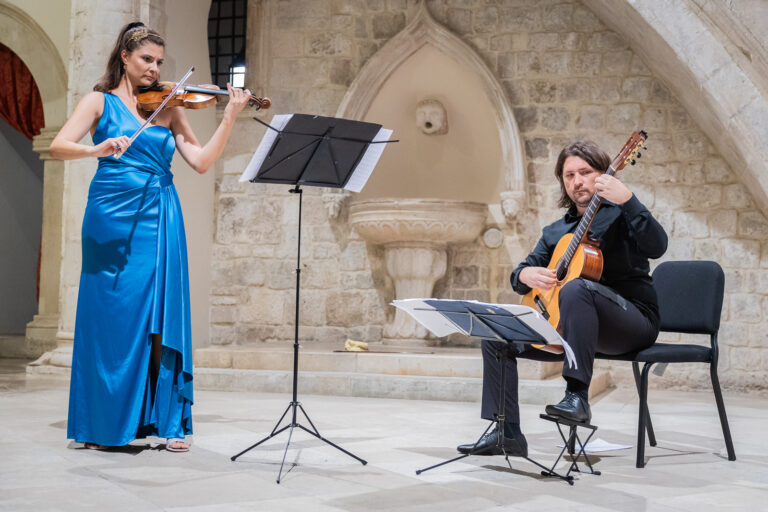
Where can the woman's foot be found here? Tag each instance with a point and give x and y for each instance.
(94, 446)
(177, 445)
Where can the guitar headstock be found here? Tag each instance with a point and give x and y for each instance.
(630, 151)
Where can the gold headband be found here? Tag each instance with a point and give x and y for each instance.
(139, 35)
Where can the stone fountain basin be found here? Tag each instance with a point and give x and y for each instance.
(435, 221)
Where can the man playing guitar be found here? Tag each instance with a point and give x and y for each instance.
(616, 315)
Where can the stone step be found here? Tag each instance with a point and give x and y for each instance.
(378, 385)
(431, 361)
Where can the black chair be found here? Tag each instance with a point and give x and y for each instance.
(690, 301)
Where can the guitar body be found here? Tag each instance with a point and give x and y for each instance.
(587, 262)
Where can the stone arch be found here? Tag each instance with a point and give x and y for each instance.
(29, 41)
(714, 65)
(424, 30)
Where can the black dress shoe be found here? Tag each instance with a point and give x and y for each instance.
(489, 445)
(572, 407)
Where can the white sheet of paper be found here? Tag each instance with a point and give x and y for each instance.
(440, 326)
(597, 445)
(366, 164)
(278, 122)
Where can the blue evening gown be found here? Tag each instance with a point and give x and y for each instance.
(134, 282)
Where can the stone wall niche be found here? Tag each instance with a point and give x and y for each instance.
(415, 234)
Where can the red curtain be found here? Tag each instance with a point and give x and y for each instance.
(20, 103)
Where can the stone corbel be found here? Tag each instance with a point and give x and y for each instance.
(513, 202)
(334, 201)
(41, 143)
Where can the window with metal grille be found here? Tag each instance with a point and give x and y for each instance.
(226, 41)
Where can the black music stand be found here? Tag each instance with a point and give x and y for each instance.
(492, 321)
(316, 151)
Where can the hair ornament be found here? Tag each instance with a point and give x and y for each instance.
(139, 35)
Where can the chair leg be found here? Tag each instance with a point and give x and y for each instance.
(721, 411)
(641, 422)
(649, 424)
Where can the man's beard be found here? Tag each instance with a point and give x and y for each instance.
(582, 203)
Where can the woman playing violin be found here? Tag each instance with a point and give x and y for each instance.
(132, 359)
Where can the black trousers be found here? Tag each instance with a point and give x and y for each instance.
(593, 318)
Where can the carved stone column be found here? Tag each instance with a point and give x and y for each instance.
(41, 331)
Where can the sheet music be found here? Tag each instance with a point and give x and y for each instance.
(440, 326)
(365, 167)
(278, 123)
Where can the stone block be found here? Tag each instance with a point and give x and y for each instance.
(590, 117)
(716, 170)
(752, 224)
(542, 91)
(343, 23)
(356, 280)
(465, 277)
(311, 309)
(555, 118)
(691, 145)
(387, 24)
(459, 20)
(605, 41)
(527, 63)
(375, 5)
(737, 196)
(574, 91)
(616, 63)
(739, 253)
(326, 250)
(556, 63)
(587, 63)
(660, 94)
(706, 250)
(745, 359)
(224, 334)
(557, 17)
(365, 50)
(286, 43)
(680, 120)
(585, 20)
(515, 19)
(515, 91)
(264, 306)
(537, 148)
(354, 257)
(605, 90)
(636, 88)
(320, 276)
(223, 314)
(527, 118)
(691, 225)
(307, 72)
(544, 41)
(346, 308)
(747, 307)
(623, 117)
(361, 27)
(764, 255)
(281, 274)
(654, 119)
(328, 44)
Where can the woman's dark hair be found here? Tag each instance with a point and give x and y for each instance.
(132, 36)
(587, 151)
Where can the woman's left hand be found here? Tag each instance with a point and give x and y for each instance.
(610, 188)
(238, 99)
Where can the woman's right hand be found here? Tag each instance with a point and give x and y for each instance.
(114, 146)
(538, 277)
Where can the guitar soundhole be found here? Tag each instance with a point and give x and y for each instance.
(562, 271)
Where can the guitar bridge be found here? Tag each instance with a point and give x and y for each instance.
(542, 307)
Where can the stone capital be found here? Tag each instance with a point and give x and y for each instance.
(41, 144)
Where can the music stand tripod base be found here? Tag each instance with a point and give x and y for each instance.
(569, 444)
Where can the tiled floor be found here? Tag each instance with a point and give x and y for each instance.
(41, 470)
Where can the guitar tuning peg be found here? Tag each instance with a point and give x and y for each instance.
(639, 154)
(633, 161)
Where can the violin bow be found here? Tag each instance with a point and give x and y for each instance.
(179, 84)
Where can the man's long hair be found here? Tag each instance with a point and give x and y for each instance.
(587, 151)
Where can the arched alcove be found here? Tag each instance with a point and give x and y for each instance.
(423, 30)
(462, 164)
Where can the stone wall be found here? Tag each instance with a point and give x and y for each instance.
(567, 76)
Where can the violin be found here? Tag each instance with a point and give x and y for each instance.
(189, 96)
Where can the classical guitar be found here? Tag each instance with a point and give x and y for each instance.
(576, 255)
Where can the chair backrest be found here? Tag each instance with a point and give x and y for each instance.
(690, 295)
